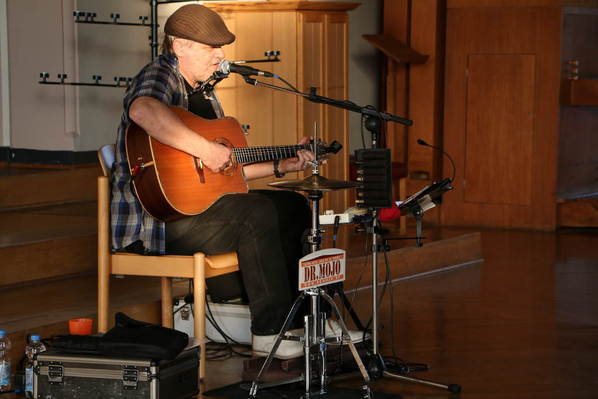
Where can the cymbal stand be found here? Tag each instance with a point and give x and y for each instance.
(315, 329)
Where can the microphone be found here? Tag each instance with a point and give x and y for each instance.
(389, 214)
(422, 142)
(226, 67)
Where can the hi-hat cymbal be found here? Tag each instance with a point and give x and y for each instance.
(315, 183)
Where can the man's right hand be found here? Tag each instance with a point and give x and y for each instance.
(215, 156)
(162, 124)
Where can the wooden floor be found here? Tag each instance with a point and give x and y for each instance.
(521, 324)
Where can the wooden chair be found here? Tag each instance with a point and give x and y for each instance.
(197, 267)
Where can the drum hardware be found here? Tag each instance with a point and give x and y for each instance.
(314, 323)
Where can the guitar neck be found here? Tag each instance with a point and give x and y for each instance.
(263, 154)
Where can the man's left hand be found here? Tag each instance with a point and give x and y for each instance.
(301, 162)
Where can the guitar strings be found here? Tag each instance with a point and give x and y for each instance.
(262, 154)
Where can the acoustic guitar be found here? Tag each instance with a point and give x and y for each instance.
(171, 183)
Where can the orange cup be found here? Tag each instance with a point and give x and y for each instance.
(80, 326)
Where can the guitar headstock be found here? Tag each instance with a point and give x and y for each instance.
(324, 148)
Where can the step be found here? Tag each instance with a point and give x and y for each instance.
(443, 248)
(582, 212)
(48, 242)
(23, 187)
(46, 308)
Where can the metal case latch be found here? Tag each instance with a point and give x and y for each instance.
(55, 373)
(130, 377)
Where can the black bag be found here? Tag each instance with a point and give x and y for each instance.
(77, 344)
(143, 340)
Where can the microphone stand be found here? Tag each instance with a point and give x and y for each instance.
(374, 119)
(348, 105)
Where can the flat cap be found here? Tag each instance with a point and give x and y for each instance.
(200, 24)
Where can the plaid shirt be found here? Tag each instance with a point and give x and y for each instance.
(161, 80)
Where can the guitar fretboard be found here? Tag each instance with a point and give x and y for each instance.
(263, 154)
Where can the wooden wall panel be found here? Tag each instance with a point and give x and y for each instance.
(578, 158)
(336, 119)
(397, 25)
(425, 98)
(254, 104)
(312, 73)
(504, 30)
(285, 40)
(415, 90)
(226, 89)
(254, 36)
(499, 128)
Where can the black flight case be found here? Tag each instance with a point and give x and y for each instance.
(65, 376)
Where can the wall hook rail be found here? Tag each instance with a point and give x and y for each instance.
(119, 81)
(83, 17)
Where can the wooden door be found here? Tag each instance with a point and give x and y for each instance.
(501, 114)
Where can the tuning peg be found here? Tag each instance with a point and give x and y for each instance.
(115, 17)
(62, 77)
(44, 76)
(143, 19)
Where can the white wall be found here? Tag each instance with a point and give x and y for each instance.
(109, 51)
(43, 37)
(38, 113)
(4, 82)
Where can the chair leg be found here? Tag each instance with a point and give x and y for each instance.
(103, 253)
(166, 288)
(199, 311)
(103, 293)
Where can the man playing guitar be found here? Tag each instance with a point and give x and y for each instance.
(245, 223)
(263, 227)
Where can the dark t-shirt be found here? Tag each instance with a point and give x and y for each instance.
(199, 104)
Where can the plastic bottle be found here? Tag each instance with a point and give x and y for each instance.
(34, 347)
(5, 370)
